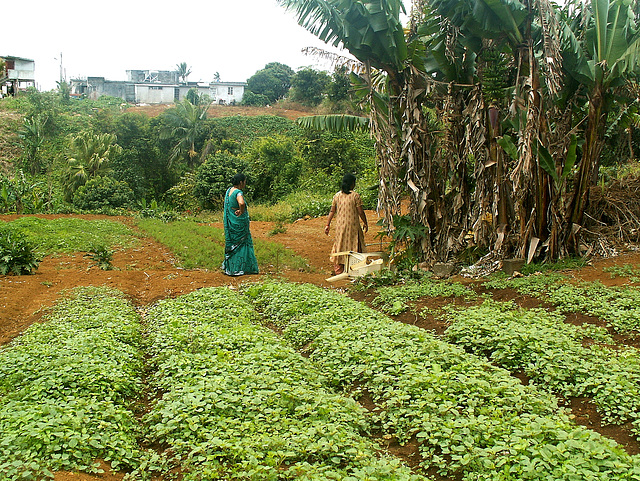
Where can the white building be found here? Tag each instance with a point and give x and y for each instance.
(18, 74)
(157, 87)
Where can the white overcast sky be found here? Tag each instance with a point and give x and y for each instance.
(106, 38)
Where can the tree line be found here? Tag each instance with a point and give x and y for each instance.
(84, 155)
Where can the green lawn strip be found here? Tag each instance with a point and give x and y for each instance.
(394, 299)
(552, 354)
(67, 235)
(202, 246)
(472, 420)
(238, 404)
(618, 306)
(65, 387)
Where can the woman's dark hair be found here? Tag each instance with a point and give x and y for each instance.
(348, 183)
(238, 178)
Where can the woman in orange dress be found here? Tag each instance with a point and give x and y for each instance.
(347, 208)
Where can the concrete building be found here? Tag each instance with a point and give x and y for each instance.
(156, 87)
(17, 75)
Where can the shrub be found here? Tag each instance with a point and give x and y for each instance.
(213, 178)
(16, 253)
(103, 192)
(251, 99)
(274, 167)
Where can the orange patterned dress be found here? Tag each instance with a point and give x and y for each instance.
(349, 235)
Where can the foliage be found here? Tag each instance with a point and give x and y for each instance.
(552, 353)
(157, 210)
(32, 138)
(103, 192)
(251, 99)
(182, 196)
(213, 178)
(308, 87)
(246, 130)
(273, 81)
(17, 255)
(91, 156)
(616, 305)
(393, 299)
(331, 152)
(338, 88)
(102, 256)
(184, 126)
(221, 372)
(273, 168)
(406, 239)
(469, 419)
(21, 194)
(571, 262)
(183, 71)
(65, 385)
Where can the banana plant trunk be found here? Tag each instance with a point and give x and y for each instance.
(589, 166)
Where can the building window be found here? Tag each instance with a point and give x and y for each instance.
(230, 91)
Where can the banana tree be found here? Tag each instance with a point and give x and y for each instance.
(602, 51)
(372, 32)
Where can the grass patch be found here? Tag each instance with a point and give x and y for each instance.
(198, 245)
(66, 235)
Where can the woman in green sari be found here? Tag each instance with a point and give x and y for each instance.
(239, 258)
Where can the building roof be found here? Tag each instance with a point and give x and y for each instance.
(11, 57)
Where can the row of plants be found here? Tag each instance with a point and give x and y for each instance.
(555, 355)
(234, 402)
(472, 420)
(618, 306)
(66, 386)
(395, 299)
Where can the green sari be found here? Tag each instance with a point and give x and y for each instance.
(239, 258)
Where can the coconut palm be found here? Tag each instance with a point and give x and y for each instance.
(91, 156)
(183, 71)
(183, 125)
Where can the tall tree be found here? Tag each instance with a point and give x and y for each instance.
(308, 86)
(273, 81)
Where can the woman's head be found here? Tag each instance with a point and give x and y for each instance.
(348, 183)
(238, 179)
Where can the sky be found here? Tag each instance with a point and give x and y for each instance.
(235, 38)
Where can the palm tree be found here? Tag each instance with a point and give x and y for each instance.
(183, 71)
(184, 126)
(91, 155)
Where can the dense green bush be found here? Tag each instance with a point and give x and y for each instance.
(16, 253)
(274, 168)
(213, 178)
(103, 192)
(251, 99)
